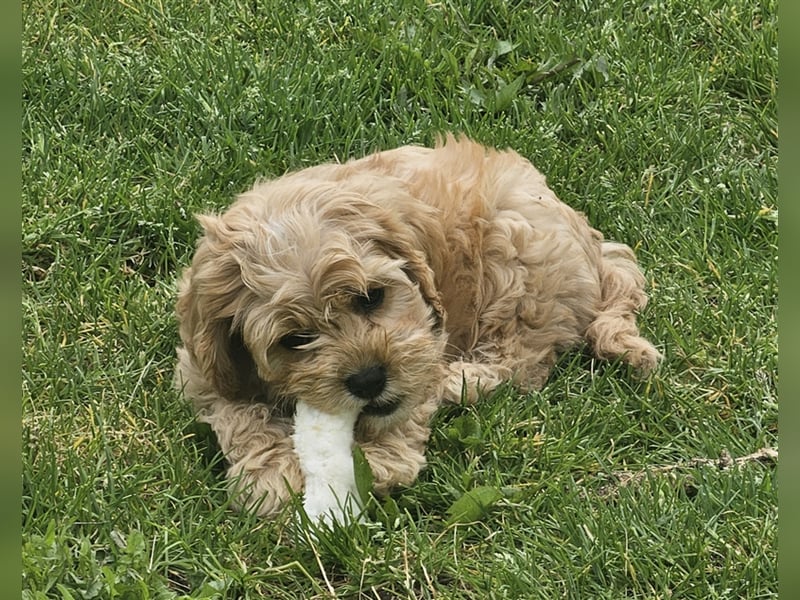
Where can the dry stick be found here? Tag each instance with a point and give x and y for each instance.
(312, 545)
(724, 462)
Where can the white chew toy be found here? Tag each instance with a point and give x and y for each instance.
(324, 445)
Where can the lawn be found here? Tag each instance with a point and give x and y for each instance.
(657, 119)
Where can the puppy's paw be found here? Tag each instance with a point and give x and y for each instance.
(466, 381)
(643, 357)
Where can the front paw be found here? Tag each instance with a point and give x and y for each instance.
(467, 381)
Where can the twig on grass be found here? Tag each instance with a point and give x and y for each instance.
(312, 545)
(723, 463)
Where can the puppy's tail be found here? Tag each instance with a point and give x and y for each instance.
(614, 333)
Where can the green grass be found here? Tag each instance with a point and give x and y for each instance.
(657, 119)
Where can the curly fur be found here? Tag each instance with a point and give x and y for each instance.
(487, 278)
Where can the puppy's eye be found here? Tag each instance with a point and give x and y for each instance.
(372, 300)
(295, 341)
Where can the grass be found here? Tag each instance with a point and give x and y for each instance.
(657, 119)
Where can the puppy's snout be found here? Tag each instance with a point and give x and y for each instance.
(368, 383)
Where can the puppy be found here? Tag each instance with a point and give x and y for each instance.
(385, 286)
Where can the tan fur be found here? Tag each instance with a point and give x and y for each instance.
(488, 277)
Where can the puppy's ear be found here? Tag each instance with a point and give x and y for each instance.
(419, 272)
(412, 243)
(209, 294)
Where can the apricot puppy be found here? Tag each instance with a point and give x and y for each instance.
(382, 286)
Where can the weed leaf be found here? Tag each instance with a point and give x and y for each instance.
(473, 505)
(506, 94)
(363, 474)
(503, 47)
(466, 430)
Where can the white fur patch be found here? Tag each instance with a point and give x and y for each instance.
(324, 445)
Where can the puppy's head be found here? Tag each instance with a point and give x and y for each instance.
(317, 290)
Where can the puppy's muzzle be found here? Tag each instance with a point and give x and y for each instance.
(367, 383)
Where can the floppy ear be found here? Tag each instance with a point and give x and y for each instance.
(209, 293)
(417, 269)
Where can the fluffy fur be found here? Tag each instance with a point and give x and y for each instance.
(384, 285)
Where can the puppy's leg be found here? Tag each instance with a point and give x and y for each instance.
(469, 380)
(466, 380)
(263, 466)
(396, 455)
(614, 333)
(520, 355)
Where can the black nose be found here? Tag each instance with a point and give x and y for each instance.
(367, 383)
